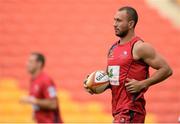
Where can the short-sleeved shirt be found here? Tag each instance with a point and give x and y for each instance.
(42, 87)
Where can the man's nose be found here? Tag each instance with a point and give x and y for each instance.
(115, 24)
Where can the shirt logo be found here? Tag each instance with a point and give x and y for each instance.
(113, 73)
(52, 91)
(125, 52)
(122, 120)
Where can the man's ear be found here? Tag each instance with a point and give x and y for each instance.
(131, 24)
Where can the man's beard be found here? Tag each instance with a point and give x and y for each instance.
(32, 71)
(122, 34)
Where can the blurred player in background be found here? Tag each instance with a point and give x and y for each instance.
(42, 92)
(128, 69)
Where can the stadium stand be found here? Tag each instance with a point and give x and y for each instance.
(75, 37)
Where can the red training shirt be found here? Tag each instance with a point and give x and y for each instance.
(121, 65)
(42, 87)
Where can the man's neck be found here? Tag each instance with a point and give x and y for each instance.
(127, 38)
(35, 74)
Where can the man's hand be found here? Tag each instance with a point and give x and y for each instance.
(88, 90)
(86, 87)
(134, 86)
(28, 100)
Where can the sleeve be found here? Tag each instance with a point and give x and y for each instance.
(49, 89)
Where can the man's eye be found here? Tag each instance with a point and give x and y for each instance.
(117, 20)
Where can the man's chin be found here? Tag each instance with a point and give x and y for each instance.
(30, 72)
(118, 35)
(121, 35)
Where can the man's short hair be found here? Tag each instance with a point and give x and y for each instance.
(40, 58)
(132, 13)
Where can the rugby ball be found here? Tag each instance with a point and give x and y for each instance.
(97, 82)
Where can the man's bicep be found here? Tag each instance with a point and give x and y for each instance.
(155, 62)
(151, 57)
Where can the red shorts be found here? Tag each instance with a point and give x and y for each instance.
(129, 116)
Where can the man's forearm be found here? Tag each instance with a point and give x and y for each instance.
(158, 76)
(46, 103)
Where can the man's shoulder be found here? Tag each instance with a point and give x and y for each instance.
(141, 45)
(113, 45)
(143, 49)
(45, 78)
